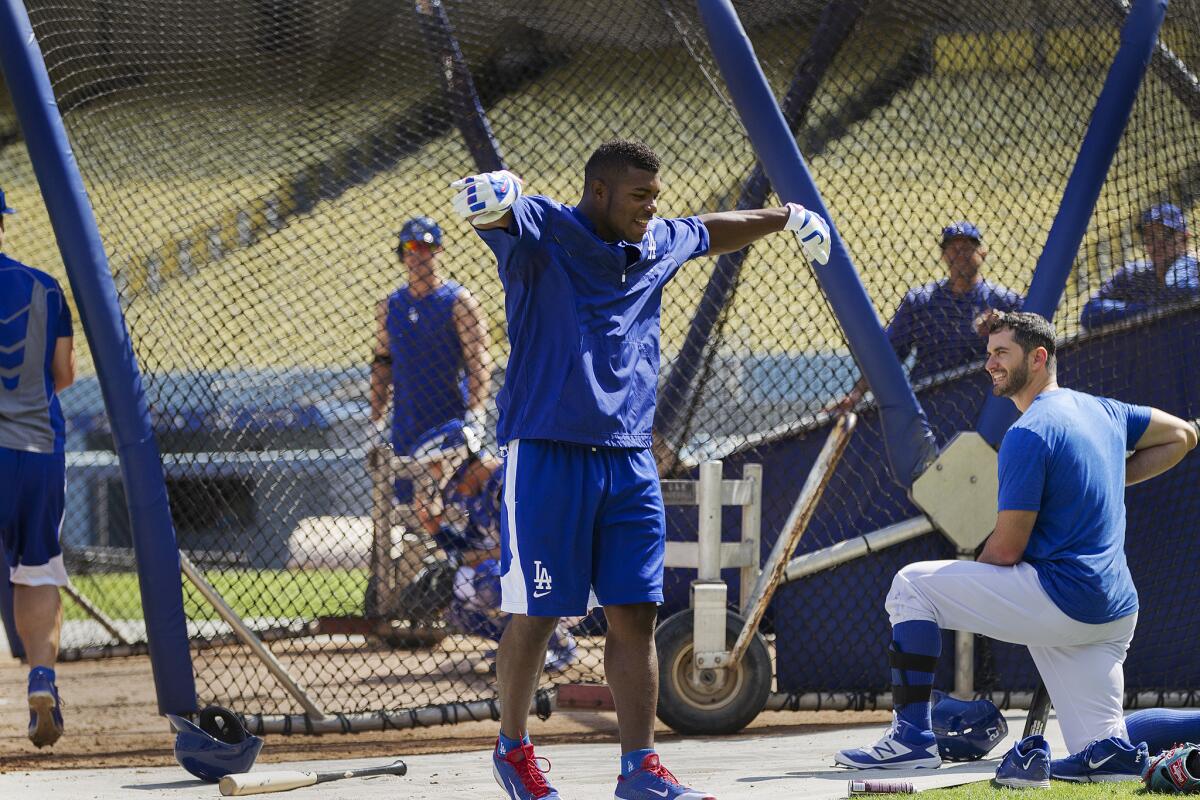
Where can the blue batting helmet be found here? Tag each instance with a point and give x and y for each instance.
(216, 745)
(421, 229)
(967, 730)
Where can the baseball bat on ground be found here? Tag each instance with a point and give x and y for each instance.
(243, 783)
(1039, 712)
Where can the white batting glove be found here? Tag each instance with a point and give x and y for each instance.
(486, 197)
(812, 231)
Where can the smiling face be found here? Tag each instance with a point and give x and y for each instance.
(626, 203)
(1007, 364)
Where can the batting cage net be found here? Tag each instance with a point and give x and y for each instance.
(252, 162)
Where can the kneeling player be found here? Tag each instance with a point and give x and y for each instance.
(1051, 576)
(457, 499)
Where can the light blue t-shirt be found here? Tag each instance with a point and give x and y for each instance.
(1065, 459)
(583, 323)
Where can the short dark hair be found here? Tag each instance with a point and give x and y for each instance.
(1029, 330)
(617, 155)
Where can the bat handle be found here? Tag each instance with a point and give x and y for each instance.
(397, 767)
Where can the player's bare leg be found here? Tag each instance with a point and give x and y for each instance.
(631, 667)
(519, 663)
(38, 614)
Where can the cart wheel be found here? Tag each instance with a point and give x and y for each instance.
(694, 702)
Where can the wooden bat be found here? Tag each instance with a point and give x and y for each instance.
(243, 783)
(1039, 712)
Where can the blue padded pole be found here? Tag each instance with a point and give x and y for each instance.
(910, 443)
(15, 646)
(1113, 107)
(120, 382)
(834, 27)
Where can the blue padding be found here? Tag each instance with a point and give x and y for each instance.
(1113, 107)
(91, 283)
(909, 443)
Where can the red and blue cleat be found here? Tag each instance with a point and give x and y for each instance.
(653, 781)
(520, 775)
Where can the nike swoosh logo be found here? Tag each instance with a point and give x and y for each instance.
(663, 793)
(1029, 761)
(540, 594)
(1100, 763)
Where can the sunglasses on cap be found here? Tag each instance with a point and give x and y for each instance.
(413, 246)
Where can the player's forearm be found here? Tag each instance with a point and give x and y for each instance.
(1152, 461)
(730, 231)
(381, 384)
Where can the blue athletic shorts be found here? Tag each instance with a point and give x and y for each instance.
(581, 526)
(31, 512)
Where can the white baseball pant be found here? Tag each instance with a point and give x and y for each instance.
(1080, 663)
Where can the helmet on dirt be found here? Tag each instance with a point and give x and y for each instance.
(214, 746)
(966, 730)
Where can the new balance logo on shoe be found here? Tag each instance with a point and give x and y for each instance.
(882, 748)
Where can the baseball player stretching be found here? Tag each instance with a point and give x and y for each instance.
(583, 520)
(1052, 575)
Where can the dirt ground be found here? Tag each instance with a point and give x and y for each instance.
(112, 721)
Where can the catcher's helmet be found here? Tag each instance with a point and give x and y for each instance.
(216, 745)
(423, 230)
(966, 730)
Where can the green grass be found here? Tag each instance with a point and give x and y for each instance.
(252, 593)
(1059, 790)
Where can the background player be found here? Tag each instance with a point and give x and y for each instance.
(583, 519)
(37, 360)
(937, 320)
(1052, 575)
(431, 359)
(457, 500)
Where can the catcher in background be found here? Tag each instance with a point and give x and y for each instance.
(457, 500)
(1051, 576)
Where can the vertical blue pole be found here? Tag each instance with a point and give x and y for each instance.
(1113, 107)
(15, 646)
(910, 443)
(834, 27)
(120, 382)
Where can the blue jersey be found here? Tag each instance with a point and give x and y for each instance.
(33, 316)
(1135, 289)
(1065, 459)
(583, 323)
(940, 324)
(429, 384)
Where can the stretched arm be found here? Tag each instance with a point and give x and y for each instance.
(381, 365)
(730, 231)
(1165, 442)
(477, 359)
(1007, 543)
(62, 363)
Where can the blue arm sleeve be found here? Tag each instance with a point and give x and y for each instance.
(1023, 461)
(1111, 303)
(64, 326)
(899, 330)
(511, 244)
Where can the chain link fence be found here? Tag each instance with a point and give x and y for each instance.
(251, 161)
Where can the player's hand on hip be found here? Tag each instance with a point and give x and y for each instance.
(812, 231)
(486, 197)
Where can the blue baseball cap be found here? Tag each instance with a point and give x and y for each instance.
(4, 207)
(421, 229)
(960, 230)
(1168, 215)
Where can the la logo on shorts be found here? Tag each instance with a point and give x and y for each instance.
(541, 580)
